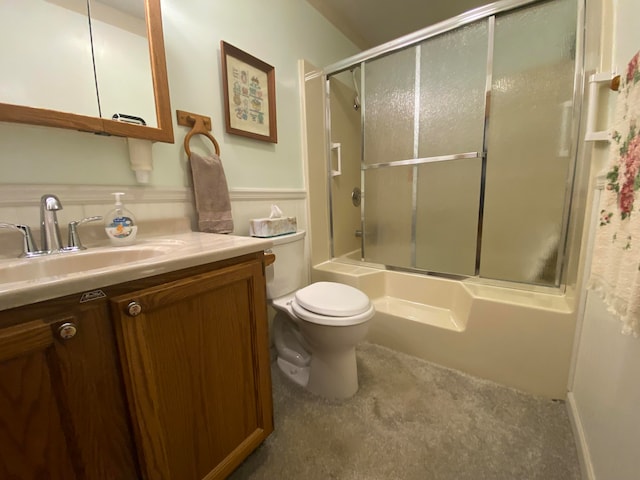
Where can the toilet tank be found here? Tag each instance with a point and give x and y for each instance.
(288, 273)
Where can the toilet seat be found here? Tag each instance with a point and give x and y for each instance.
(333, 304)
(311, 317)
(332, 299)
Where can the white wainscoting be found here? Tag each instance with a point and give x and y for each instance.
(20, 204)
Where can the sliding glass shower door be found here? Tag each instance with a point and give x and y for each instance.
(453, 86)
(389, 92)
(423, 140)
(529, 147)
(467, 147)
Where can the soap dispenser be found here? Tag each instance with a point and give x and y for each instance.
(120, 224)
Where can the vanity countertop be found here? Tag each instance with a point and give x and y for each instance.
(28, 280)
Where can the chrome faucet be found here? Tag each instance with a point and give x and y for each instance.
(74, 238)
(51, 243)
(50, 231)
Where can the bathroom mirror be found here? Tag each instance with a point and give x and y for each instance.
(71, 69)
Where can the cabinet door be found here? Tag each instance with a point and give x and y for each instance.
(33, 440)
(89, 375)
(62, 404)
(196, 364)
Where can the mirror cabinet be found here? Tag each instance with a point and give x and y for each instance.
(83, 61)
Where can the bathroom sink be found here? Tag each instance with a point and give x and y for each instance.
(29, 280)
(56, 265)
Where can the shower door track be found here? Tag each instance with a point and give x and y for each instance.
(427, 32)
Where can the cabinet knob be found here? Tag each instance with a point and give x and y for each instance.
(67, 330)
(134, 309)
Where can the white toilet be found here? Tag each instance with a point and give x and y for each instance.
(316, 328)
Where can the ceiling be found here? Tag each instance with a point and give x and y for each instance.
(369, 23)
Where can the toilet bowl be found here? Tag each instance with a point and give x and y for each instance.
(316, 328)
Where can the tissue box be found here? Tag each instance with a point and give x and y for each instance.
(272, 227)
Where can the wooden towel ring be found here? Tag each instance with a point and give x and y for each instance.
(199, 128)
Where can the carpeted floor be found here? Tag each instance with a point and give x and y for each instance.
(412, 420)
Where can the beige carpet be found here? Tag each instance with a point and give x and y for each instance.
(412, 420)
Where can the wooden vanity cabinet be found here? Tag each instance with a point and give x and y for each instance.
(62, 404)
(166, 378)
(31, 422)
(196, 365)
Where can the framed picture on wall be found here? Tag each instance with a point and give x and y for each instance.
(249, 94)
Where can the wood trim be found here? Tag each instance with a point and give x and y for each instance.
(262, 360)
(49, 118)
(168, 293)
(187, 119)
(200, 125)
(269, 259)
(164, 131)
(155, 35)
(233, 461)
(24, 339)
(123, 129)
(152, 451)
(227, 49)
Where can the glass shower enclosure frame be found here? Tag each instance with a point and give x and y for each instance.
(466, 159)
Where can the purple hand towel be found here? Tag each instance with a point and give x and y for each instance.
(211, 194)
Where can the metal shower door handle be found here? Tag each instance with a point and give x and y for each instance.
(338, 148)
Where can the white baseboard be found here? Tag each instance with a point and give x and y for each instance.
(581, 442)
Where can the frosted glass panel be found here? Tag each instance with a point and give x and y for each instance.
(447, 216)
(452, 91)
(527, 162)
(389, 88)
(387, 215)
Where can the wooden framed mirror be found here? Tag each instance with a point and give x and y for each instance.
(162, 131)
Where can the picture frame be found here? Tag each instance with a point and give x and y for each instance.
(249, 94)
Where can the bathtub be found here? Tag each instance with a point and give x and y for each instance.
(517, 338)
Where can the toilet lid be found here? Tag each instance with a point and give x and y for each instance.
(318, 319)
(333, 299)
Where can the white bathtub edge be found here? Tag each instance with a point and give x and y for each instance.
(519, 339)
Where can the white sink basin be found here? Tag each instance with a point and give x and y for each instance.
(35, 269)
